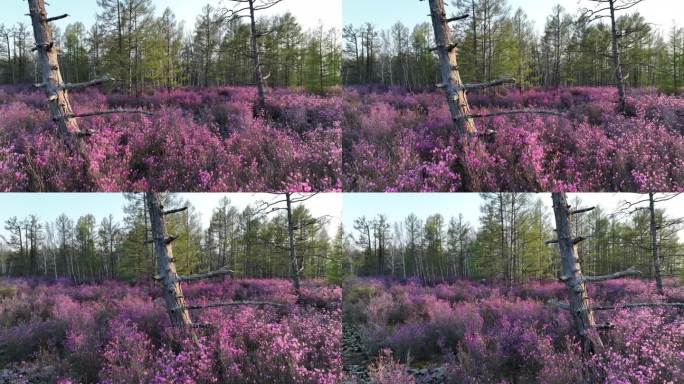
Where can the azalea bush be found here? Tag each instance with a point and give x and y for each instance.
(472, 333)
(194, 140)
(396, 140)
(115, 333)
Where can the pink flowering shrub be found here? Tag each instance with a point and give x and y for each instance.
(196, 140)
(116, 333)
(492, 333)
(399, 141)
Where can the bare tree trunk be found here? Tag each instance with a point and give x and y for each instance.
(654, 243)
(448, 66)
(293, 254)
(163, 252)
(261, 100)
(616, 59)
(58, 100)
(571, 275)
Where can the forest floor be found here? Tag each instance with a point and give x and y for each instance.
(467, 332)
(397, 140)
(207, 139)
(117, 333)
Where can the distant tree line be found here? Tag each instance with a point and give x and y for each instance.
(142, 50)
(510, 243)
(251, 244)
(498, 41)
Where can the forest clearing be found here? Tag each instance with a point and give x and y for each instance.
(188, 140)
(589, 148)
(473, 332)
(533, 289)
(161, 295)
(507, 95)
(244, 99)
(120, 333)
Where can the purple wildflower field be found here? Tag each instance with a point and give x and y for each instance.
(196, 140)
(116, 333)
(468, 332)
(395, 140)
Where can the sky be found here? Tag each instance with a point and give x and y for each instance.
(48, 206)
(397, 206)
(384, 13)
(308, 12)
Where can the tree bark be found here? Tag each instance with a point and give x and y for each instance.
(163, 252)
(571, 275)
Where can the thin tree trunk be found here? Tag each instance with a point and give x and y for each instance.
(571, 275)
(261, 101)
(616, 59)
(293, 255)
(654, 244)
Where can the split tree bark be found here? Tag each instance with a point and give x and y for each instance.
(571, 275)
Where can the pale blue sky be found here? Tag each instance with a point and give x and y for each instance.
(342, 208)
(396, 206)
(308, 12)
(48, 206)
(384, 13)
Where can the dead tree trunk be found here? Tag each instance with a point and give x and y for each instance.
(57, 91)
(261, 83)
(449, 69)
(616, 59)
(456, 90)
(654, 243)
(58, 99)
(296, 270)
(571, 275)
(163, 253)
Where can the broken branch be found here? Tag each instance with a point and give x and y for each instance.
(99, 113)
(489, 84)
(208, 275)
(638, 305)
(87, 84)
(628, 272)
(232, 303)
(172, 211)
(55, 18)
(514, 112)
